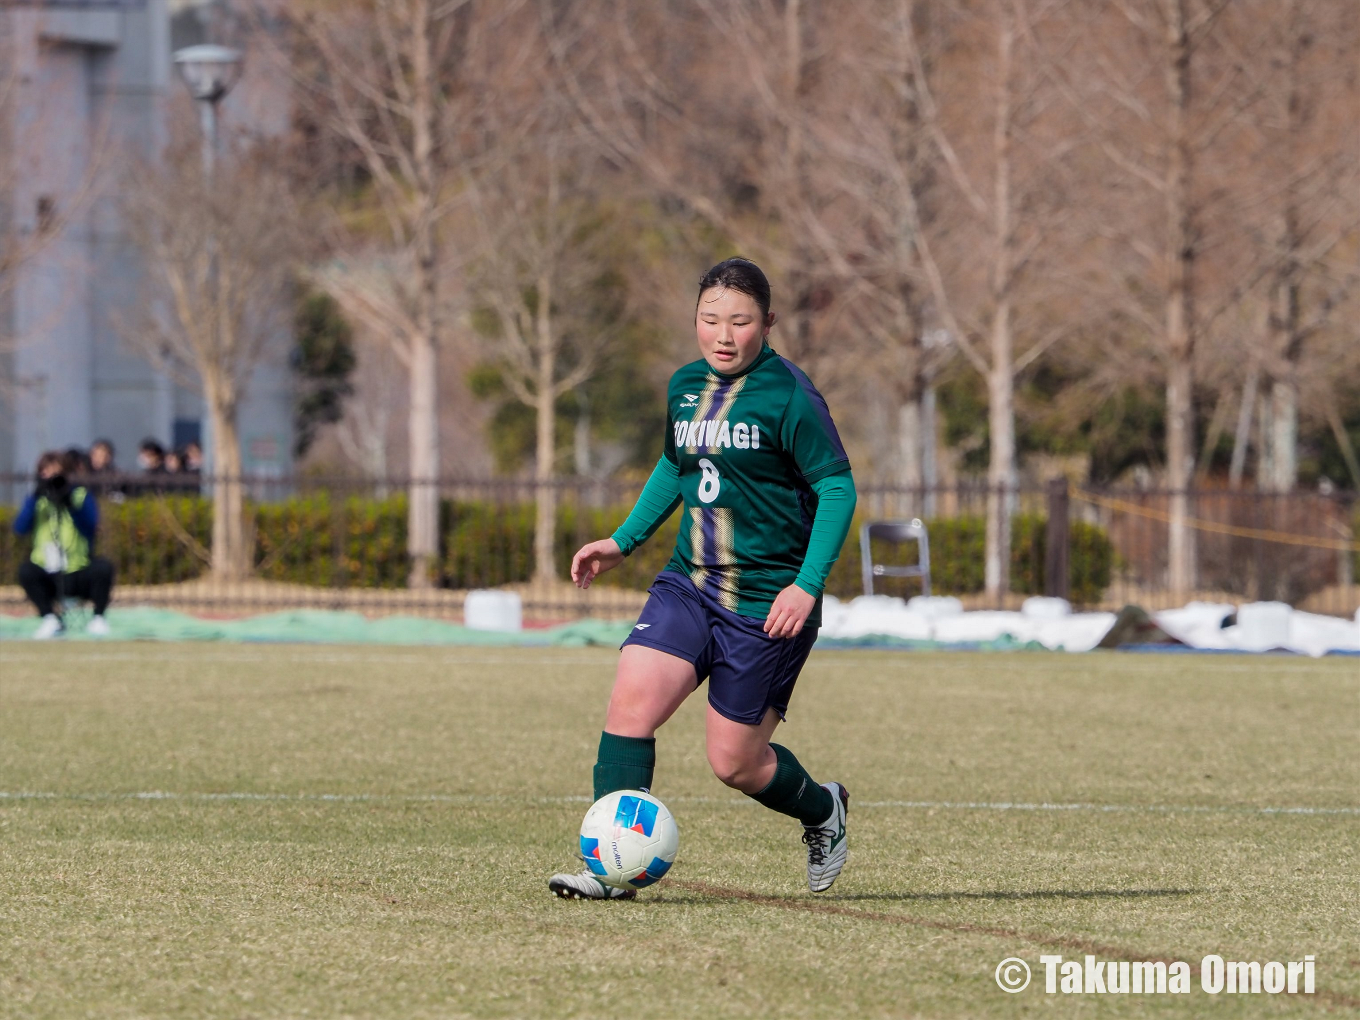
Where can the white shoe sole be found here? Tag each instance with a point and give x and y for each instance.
(565, 888)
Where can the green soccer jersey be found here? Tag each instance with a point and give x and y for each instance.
(748, 448)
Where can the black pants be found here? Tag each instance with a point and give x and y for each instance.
(94, 582)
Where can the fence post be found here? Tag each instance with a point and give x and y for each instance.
(1055, 541)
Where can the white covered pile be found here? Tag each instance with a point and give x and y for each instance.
(1260, 626)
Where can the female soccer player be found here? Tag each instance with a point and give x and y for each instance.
(753, 456)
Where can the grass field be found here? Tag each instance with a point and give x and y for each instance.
(252, 831)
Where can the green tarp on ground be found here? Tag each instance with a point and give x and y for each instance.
(333, 627)
(321, 626)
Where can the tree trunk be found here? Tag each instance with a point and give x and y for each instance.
(1242, 434)
(1001, 469)
(910, 473)
(1180, 323)
(1284, 429)
(581, 439)
(545, 500)
(1001, 378)
(795, 335)
(1286, 311)
(1180, 539)
(929, 473)
(1265, 449)
(422, 535)
(231, 560)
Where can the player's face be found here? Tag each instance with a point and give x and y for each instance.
(730, 329)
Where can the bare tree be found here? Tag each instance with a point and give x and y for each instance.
(999, 185)
(873, 162)
(363, 433)
(1310, 164)
(218, 256)
(383, 78)
(728, 140)
(786, 41)
(1162, 87)
(535, 203)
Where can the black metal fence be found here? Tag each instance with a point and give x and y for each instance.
(342, 543)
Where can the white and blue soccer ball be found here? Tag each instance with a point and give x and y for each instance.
(629, 839)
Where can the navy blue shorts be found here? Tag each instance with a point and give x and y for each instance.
(748, 671)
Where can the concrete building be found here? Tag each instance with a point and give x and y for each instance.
(85, 84)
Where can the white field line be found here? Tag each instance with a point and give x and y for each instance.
(455, 798)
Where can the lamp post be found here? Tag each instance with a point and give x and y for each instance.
(210, 71)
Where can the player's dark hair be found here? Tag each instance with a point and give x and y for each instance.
(741, 275)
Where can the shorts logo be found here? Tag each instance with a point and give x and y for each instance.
(636, 814)
(641, 626)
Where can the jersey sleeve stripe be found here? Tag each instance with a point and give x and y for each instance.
(819, 405)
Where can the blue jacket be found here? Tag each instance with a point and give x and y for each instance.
(85, 517)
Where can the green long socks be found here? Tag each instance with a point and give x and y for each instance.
(793, 792)
(628, 763)
(624, 763)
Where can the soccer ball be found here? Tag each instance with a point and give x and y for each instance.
(629, 839)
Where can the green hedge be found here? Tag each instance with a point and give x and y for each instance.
(355, 542)
(359, 543)
(957, 560)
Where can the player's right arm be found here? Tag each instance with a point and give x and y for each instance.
(660, 496)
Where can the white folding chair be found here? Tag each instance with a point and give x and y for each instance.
(897, 533)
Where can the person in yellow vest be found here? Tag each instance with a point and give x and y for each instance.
(63, 519)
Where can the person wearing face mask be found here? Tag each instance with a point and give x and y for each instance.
(63, 519)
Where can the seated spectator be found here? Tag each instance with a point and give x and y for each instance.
(63, 520)
(102, 458)
(151, 457)
(193, 457)
(75, 462)
(104, 471)
(174, 464)
(151, 462)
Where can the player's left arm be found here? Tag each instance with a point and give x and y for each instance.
(830, 526)
(809, 436)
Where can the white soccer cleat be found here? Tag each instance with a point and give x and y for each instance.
(97, 627)
(826, 843)
(586, 886)
(50, 627)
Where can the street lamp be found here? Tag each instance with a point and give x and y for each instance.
(210, 71)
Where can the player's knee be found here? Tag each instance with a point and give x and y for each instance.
(734, 770)
(629, 720)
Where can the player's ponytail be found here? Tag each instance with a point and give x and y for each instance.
(741, 275)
